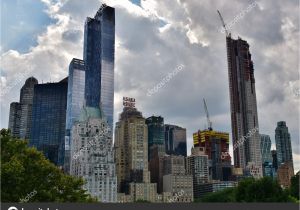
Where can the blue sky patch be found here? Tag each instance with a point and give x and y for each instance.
(21, 22)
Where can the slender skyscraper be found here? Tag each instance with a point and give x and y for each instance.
(98, 54)
(243, 106)
(283, 144)
(265, 146)
(75, 102)
(20, 113)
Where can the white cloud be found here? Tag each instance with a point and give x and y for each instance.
(146, 51)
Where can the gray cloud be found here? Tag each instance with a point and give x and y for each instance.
(72, 35)
(146, 53)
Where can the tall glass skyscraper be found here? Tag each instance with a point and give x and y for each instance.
(283, 143)
(20, 112)
(156, 135)
(98, 54)
(267, 160)
(244, 119)
(75, 102)
(49, 120)
(265, 146)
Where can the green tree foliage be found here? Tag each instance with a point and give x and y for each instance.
(261, 190)
(142, 201)
(294, 189)
(25, 170)
(227, 195)
(251, 190)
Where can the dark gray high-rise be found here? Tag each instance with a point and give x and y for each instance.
(98, 55)
(244, 119)
(283, 143)
(20, 112)
(175, 140)
(156, 135)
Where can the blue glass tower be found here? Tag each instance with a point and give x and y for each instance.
(283, 143)
(156, 135)
(49, 120)
(98, 55)
(75, 102)
(267, 160)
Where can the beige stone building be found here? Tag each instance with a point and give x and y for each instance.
(131, 147)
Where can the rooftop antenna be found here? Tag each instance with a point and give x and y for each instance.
(209, 123)
(223, 23)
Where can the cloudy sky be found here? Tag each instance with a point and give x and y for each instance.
(153, 38)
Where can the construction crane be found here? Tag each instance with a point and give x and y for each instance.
(223, 23)
(209, 123)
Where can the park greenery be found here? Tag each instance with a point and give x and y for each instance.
(27, 176)
(265, 189)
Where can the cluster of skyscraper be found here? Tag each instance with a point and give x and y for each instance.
(71, 122)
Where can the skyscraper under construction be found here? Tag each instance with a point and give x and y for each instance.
(243, 106)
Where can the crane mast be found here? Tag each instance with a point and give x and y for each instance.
(223, 23)
(209, 123)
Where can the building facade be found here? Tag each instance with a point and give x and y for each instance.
(156, 166)
(267, 161)
(283, 144)
(20, 112)
(215, 186)
(49, 120)
(131, 146)
(284, 174)
(274, 159)
(216, 146)
(155, 134)
(244, 119)
(265, 146)
(175, 140)
(14, 119)
(98, 55)
(75, 102)
(92, 155)
(197, 166)
(176, 180)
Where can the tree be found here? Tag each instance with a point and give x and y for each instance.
(226, 195)
(253, 190)
(261, 190)
(294, 189)
(27, 175)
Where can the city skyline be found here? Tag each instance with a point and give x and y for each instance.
(178, 114)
